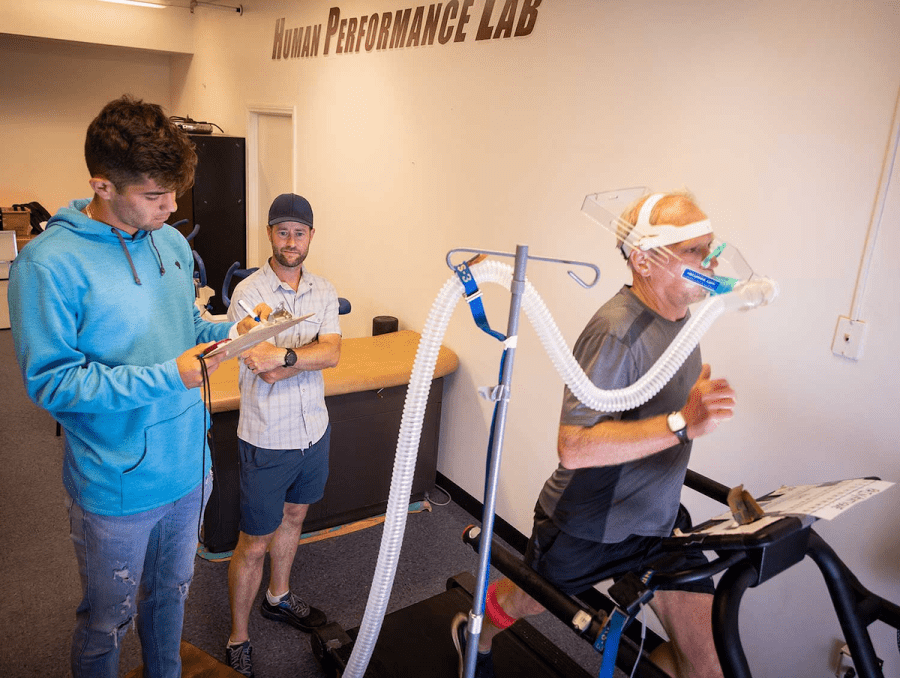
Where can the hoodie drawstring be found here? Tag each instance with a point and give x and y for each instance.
(137, 281)
(162, 269)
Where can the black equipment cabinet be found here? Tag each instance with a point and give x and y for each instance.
(364, 430)
(217, 201)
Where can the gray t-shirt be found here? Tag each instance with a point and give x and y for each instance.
(607, 504)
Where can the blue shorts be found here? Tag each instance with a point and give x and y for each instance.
(573, 564)
(271, 478)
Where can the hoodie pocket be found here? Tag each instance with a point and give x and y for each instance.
(171, 464)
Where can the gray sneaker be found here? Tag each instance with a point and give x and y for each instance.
(238, 658)
(295, 612)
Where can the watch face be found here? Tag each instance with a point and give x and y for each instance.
(676, 421)
(290, 358)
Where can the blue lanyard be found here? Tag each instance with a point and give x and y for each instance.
(473, 298)
(608, 642)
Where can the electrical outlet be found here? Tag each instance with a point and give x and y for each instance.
(844, 664)
(849, 338)
(845, 668)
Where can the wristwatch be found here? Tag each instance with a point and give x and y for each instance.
(290, 358)
(678, 426)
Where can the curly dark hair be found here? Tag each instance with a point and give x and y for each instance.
(130, 141)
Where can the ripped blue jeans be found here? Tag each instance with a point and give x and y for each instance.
(141, 565)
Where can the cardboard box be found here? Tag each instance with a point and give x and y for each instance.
(17, 220)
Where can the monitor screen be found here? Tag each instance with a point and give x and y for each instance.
(8, 248)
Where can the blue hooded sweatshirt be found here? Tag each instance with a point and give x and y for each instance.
(98, 318)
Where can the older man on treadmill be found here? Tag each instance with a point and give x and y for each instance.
(615, 494)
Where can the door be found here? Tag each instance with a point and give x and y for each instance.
(271, 139)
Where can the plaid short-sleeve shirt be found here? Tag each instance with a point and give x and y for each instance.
(289, 414)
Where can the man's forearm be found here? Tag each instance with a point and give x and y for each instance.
(311, 357)
(613, 442)
(316, 355)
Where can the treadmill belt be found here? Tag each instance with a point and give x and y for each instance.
(415, 642)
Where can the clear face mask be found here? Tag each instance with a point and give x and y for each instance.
(716, 269)
(721, 269)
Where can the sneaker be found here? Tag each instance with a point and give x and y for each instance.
(484, 661)
(238, 658)
(291, 610)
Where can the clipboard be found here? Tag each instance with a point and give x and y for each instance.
(234, 347)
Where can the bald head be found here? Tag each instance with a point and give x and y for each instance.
(673, 209)
(676, 209)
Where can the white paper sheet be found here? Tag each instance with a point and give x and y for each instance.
(234, 347)
(825, 500)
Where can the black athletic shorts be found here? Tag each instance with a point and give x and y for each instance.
(573, 564)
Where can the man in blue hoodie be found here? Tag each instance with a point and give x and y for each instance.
(108, 337)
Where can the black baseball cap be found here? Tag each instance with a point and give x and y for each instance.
(290, 207)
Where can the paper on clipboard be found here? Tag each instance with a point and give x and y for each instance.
(234, 347)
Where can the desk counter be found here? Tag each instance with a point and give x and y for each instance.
(366, 364)
(365, 395)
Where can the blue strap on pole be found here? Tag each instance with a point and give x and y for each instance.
(608, 642)
(473, 297)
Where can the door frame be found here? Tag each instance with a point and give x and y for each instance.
(254, 112)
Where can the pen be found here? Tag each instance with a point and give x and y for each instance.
(248, 310)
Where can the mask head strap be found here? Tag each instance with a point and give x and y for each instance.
(645, 236)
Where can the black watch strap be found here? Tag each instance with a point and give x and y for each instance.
(290, 358)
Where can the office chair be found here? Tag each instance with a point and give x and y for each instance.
(235, 270)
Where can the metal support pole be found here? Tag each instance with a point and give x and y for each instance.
(840, 586)
(708, 486)
(476, 616)
(726, 605)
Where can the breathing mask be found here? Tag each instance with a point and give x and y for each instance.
(722, 266)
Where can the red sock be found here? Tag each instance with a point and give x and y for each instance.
(496, 614)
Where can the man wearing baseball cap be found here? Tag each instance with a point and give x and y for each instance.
(283, 430)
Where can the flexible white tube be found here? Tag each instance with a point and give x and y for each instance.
(401, 480)
(748, 295)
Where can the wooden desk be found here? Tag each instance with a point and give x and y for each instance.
(366, 364)
(365, 395)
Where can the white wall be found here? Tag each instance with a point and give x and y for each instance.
(49, 93)
(776, 115)
(92, 22)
